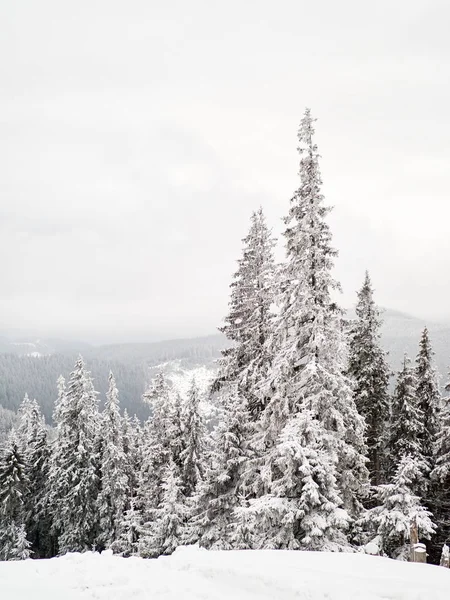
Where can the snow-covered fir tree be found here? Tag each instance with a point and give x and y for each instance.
(127, 542)
(428, 395)
(115, 492)
(249, 321)
(303, 509)
(406, 428)
(169, 519)
(369, 370)
(191, 456)
(14, 544)
(178, 429)
(157, 439)
(13, 497)
(220, 494)
(309, 357)
(400, 510)
(73, 474)
(159, 434)
(133, 448)
(33, 443)
(440, 478)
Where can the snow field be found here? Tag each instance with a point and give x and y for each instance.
(193, 574)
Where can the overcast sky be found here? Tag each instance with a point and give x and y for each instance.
(136, 137)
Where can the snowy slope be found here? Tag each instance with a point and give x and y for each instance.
(180, 376)
(239, 575)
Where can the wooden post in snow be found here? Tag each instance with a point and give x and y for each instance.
(418, 551)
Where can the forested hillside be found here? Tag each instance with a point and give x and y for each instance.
(134, 364)
(38, 376)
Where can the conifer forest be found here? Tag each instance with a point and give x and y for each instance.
(313, 444)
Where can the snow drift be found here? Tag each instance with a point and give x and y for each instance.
(191, 574)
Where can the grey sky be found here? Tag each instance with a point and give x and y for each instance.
(136, 137)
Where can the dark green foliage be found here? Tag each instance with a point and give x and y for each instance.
(369, 370)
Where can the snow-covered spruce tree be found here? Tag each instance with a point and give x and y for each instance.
(440, 478)
(428, 395)
(18, 546)
(219, 495)
(159, 435)
(249, 321)
(303, 507)
(400, 510)
(32, 439)
(127, 543)
(370, 372)
(73, 474)
(13, 493)
(309, 351)
(132, 446)
(157, 439)
(191, 457)
(167, 532)
(406, 428)
(178, 429)
(115, 491)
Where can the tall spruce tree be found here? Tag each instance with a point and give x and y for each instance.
(406, 430)
(407, 417)
(114, 495)
(370, 372)
(157, 439)
(32, 438)
(440, 477)
(159, 435)
(309, 358)
(73, 474)
(249, 321)
(221, 494)
(192, 457)
(170, 517)
(133, 448)
(428, 395)
(13, 496)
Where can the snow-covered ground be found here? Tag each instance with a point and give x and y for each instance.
(191, 574)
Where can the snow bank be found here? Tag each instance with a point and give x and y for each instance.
(191, 574)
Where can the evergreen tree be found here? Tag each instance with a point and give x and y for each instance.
(132, 447)
(158, 444)
(13, 542)
(428, 396)
(310, 353)
(13, 493)
(73, 474)
(370, 372)
(194, 434)
(406, 429)
(179, 428)
(221, 494)
(249, 321)
(115, 491)
(303, 509)
(400, 510)
(167, 531)
(32, 439)
(440, 477)
(127, 542)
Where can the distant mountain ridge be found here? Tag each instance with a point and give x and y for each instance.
(33, 366)
(400, 333)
